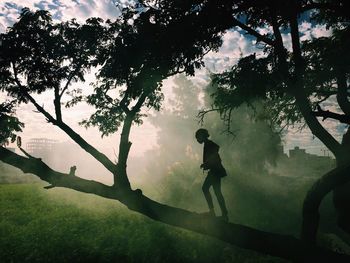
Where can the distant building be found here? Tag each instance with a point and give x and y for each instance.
(298, 153)
(40, 147)
(301, 163)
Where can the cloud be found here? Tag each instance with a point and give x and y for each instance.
(235, 45)
(60, 9)
(309, 31)
(89, 8)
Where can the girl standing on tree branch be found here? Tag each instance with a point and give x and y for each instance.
(212, 163)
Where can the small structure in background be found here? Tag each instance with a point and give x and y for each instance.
(317, 162)
(297, 153)
(301, 163)
(40, 147)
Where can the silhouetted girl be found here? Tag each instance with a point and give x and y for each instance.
(212, 163)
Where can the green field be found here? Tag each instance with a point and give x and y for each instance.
(61, 225)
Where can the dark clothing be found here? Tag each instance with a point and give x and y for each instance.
(212, 160)
(214, 181)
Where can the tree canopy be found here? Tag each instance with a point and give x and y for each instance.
(153, 40)
(295, 80)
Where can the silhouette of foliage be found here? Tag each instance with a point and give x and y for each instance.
(151, 41)
(45, 54)
(9, 124)
(294, 82)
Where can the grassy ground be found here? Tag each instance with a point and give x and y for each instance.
(62, 225)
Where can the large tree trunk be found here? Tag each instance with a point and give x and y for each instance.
(332, 180)
(121, 179)
(341, 194)
(278, 245)
(336, 179)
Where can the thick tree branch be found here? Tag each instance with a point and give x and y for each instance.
(294, 32)
(328, 182)
(343, 118)
(343, 94)
(278, 245)
(279, 46)
(140, 101)
(27, 154)
(316, 128)
(253, 32)
(57, 104)
(69, 79)
(103, 159)
(123, 104)
(297, 90)
(121, 178)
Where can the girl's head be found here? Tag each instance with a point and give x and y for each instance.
(202, 135)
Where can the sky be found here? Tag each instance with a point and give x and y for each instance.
(235, 44)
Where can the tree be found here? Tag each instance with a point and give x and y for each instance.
(135, 53)
(294, 82)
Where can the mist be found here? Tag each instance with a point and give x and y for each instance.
(264, 188)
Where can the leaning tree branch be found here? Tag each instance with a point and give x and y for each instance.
(343, 94)
(312, 201)
(279, 245)
(27, 154)
(325, 97)
(253, 32)
(298, 91)
(343, 118)
(57, 104)
(103, 159)
(121, 179)
(315, 126)
(69, 79)
(99, 156)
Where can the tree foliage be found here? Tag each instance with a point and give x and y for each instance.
(9, 124)
(272, 74)
(153, 40)
(294, 80)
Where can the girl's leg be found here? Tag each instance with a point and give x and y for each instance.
(217, 190)
(205, 188)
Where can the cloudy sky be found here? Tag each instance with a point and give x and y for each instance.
(235, 44)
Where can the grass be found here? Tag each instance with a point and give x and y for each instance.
(62, 225)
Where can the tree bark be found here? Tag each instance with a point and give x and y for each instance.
(57, 104)
(316, 128)
(120, 177)
(342, 95)
(331, 180)
(341, 194)
(283, 246)
(343, 118)
(103, 159)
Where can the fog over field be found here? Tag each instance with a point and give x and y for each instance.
(117, 116)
